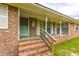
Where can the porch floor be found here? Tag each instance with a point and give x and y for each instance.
(27, 37)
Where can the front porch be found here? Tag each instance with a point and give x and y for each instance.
(31, 40)
(30, 25)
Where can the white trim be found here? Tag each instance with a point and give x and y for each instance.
(60, 28)
(46, 19)
(46, 23)
(5, 16)
(28, 27)
(18, 23)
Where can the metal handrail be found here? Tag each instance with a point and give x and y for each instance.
(44, 33)
(46, 42)
(45, 37)
(53, 39)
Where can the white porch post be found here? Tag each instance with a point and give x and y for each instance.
(46, 19)
(60, 28)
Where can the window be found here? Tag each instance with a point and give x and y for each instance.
(58, 29)
(42, 25)
(77, 27)
(48, 27)
(65, 28)
(24, 27)
(3, 16)
(54, 28)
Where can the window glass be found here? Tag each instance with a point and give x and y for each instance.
(3, 16)
(77, 28)
(65, 28)
(53, 28)
(58, 29)
(42, 24)
(23, 27)
(48, 27)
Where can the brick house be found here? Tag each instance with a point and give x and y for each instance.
(22, 22)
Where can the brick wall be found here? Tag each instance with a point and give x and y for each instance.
(73, 31)
(9, 37)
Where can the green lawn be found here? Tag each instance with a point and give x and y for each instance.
(67, 48)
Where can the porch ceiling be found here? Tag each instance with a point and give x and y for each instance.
(25, 14)
(29, 9)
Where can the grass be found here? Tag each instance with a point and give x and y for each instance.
(67, 48)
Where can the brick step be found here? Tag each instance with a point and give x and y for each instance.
(31, 47)
(29, 42)
(34, 52)
(43, 50)
(36, 47)
(46, 53)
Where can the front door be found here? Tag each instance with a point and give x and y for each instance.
(32, 27)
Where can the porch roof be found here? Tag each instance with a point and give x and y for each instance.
(40, 12)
